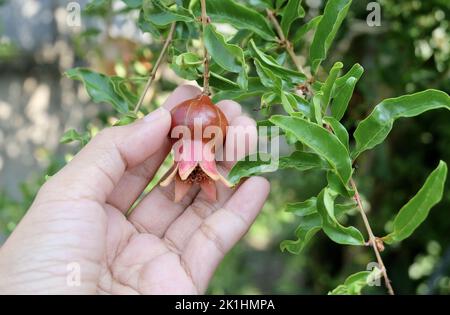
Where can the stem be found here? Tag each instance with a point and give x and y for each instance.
(284, 40)
(372, 238)
(205, 21)
(155, 68)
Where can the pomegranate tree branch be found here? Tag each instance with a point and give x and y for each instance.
(372, 239)
(156, 66)
(284, 41)
(205, 21)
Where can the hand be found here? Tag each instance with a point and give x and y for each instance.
(77, 222)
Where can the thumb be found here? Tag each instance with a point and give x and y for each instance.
(97, 168)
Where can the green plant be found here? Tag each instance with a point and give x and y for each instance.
(307, 102)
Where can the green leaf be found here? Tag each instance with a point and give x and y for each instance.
(220, 82)
(269, 62)
(288, 102)
(162, 15)
(335, 184)
(327, 87)
(254, 164)
(267, 100)
(344, 87)
(240, 37)
(356, 71)
(229, 57)
(354, 284)
(308, 227)
(147, 26)
(316, 108)
(305, 28)
(100, 88)
(238, 15)
(242, 79)
(302, 104)
(267, 77)
(186, 65)
(343, 97)
(292, 11)
(302, 208)
(72, 135)
(133, 4)
(188, 59)
(334, 13)
(255, 88)
(97, 6)
(416, 210)
(325, 144)
(188, 73)
(126, 120)
(309, 206)
(265, 163)
(339, 130)
(330, 225)
(122, 88)
(303, 161)
(69, 136)
(375, 128)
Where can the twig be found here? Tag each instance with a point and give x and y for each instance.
(156, 66)
(205, 21)
(284, 40)
(372, 238)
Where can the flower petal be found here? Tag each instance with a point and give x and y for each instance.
(169, 176)
(185, 168)
(210, 169)
(187, 156)
(225, 181)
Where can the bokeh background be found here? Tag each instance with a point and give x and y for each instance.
(409, 52)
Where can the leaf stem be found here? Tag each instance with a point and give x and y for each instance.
(288, 45)
(205, 21)
(372, 238)
(156, 66)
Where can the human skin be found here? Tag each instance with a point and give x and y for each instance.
(78, 219)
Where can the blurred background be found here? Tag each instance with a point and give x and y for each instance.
(409, 52)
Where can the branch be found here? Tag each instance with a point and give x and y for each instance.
(376, 243)
(205, 21)
(284, 40)
(372, 239)
(156, 66)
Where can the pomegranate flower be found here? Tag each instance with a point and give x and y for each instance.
(195, 121)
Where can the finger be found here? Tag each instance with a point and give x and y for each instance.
(181, 93)
(182, 229)
(157, 211)
(231, 109)
(97, 168)
(220, 231)
(134, 181)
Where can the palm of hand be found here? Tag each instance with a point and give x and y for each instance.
(153, 255)
(78, 219)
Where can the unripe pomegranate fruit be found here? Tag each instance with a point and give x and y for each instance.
(200, 111)
(199, 126)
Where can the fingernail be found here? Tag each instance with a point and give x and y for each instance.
(155, 115)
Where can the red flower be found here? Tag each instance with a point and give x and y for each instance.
(195, 160)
